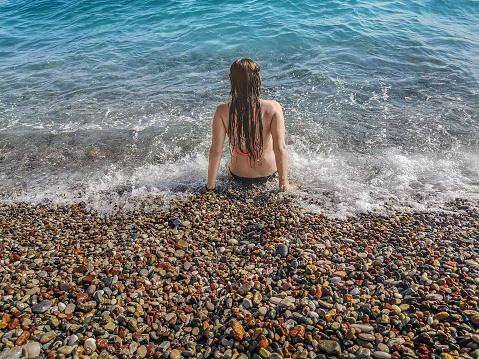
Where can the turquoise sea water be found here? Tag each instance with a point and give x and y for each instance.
(111, 102)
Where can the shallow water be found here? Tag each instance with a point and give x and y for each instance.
(112, 103)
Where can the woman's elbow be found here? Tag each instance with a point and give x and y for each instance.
(214, 151)
(280, 148)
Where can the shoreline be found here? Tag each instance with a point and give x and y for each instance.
(237, 276)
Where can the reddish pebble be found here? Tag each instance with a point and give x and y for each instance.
(101, 343)
(163, 265)
(149, 351)
(292, 349)
(13, 323)
(81, 297)
(22, 338)
(89, 278)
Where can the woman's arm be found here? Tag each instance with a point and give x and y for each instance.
(216, 149)
(279, 146)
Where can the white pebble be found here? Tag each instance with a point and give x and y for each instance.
(335, 280)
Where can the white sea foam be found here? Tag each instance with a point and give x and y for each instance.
(114, 187)
(343, 184)
(336, 184)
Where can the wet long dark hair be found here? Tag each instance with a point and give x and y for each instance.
(245, 127)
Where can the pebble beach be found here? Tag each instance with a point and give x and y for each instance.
(237, 275)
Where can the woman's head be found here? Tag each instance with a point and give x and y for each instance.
(245, 80)
(245, 126)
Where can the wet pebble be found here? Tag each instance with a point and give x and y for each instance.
(41, 307)
(282, 250)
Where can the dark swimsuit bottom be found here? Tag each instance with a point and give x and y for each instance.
(254, 180)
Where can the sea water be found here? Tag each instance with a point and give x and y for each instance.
(111, 102)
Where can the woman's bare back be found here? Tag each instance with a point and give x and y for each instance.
(240, 161)
(273, 154)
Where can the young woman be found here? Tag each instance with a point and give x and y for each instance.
(255, 130)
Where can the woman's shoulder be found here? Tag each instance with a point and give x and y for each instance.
(223, 110)
(223, 107)
(270, 106)
(270, 103)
